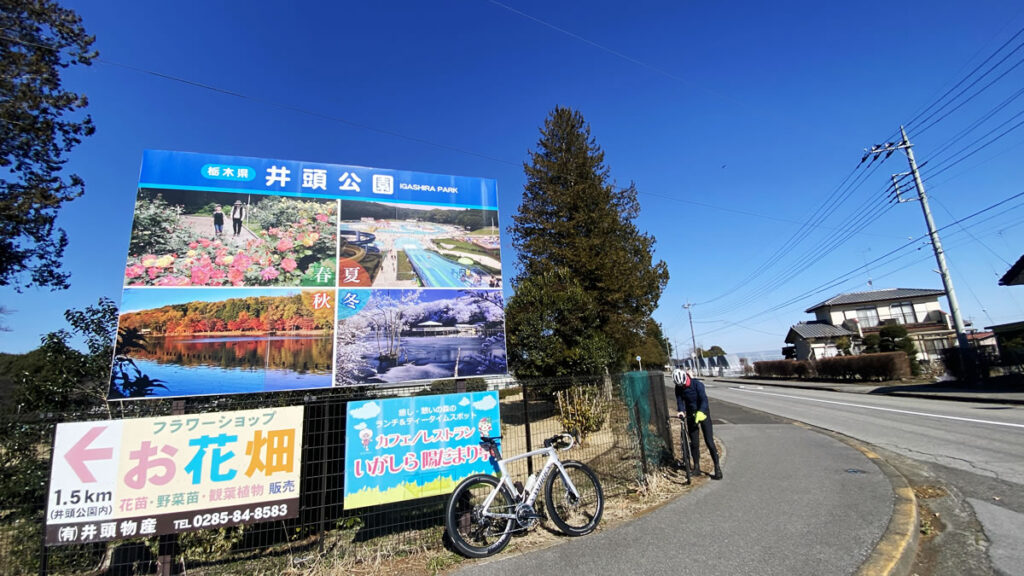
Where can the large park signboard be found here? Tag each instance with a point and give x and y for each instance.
(255, 275)
(143, 477)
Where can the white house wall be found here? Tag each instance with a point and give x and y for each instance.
(925, 311)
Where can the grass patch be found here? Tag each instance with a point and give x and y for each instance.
(443, 561)
(405, 271)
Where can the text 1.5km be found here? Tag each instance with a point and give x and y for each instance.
(81, 497)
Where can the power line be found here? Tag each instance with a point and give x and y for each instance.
(845, 276)
(914, 120)
(799, 236)
(983, 146)
(783, 248)
(973, 96)
(977, 123)
(814, 253)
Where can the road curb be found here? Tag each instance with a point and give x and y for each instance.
(940, 396)
(894, 554)
(948, 396)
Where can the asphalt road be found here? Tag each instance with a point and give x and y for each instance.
(793, 502)
(976, 450)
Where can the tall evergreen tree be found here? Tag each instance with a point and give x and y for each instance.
(574, 221)
(38, 39)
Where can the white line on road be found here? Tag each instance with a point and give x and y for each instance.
(976, 421)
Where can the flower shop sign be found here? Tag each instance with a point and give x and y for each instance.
(249, 275)
(143, 477)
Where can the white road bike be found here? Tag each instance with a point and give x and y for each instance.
(484, 510)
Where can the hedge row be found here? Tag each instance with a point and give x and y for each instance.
(782, 368)
(884, 366)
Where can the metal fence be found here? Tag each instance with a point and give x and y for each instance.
(621, 421)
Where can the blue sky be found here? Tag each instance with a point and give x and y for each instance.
(738, 122)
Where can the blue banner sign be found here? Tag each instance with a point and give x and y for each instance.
(405, 448)
(188, 171)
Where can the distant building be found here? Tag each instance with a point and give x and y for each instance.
(1009, 339)
(984, 342)
(858, 314)
(814, 340)
(431, 328)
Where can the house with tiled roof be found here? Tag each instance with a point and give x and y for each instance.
(813, 340)
(863, 313)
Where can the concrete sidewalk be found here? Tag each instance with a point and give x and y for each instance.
(938, 390)
(793, 502)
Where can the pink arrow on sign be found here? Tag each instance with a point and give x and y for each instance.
(80, 453)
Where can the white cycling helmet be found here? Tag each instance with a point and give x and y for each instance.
(679, 377)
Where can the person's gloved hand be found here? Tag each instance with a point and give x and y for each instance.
(681, 415)
(700, 417)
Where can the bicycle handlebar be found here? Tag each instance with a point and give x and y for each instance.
(554, 440)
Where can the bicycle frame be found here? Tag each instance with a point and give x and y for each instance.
(552, 463)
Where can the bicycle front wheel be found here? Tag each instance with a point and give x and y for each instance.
(474, 532)
(575, 514)
(684, 441)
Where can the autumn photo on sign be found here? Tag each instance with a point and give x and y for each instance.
(193, 341)
(204, 238)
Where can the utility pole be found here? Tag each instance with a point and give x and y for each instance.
(967, 363)
(696, 361)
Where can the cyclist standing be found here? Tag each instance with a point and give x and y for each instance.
(692, 400)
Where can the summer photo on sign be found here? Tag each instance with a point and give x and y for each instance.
(406, 246)
(201, 238)
(400, 335)
(190, 341)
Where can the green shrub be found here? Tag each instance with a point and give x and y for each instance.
(883, 366)
(276, 210)
(782, 368)
(510, 391)
(582, 410)
(158, 228)
(204, 545)
(448, 386)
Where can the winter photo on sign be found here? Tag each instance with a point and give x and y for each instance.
(400, 335)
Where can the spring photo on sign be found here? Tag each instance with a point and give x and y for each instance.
(201, 238)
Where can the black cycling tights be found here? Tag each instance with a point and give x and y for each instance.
(709, 439)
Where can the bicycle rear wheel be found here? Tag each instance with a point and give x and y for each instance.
(574, 515)
(472, 532)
